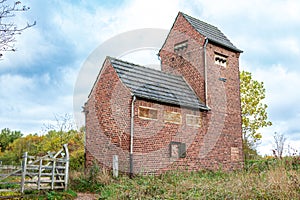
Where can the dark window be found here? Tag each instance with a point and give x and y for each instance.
(220, 59)
(177, 150)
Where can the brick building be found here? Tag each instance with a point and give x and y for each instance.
(186, 116)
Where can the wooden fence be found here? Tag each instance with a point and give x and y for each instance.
(49, 172)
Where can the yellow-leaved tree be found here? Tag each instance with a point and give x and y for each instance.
(254, 112)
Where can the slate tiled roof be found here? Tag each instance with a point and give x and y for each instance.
(156, 85)
(211, 32)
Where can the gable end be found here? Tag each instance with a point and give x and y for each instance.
(213, 34)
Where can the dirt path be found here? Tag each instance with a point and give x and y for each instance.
(87, 196)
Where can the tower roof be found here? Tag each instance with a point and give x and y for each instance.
(213, 34)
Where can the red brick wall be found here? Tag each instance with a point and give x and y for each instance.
(180, 62)
(108, 120)
(224, 120)
(153, 137)
(217, 143)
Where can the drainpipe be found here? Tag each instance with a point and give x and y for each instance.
(205, 70)
(131, 137)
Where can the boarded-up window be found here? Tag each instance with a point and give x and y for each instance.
(173, 117)
(177, 150)
(234, 153)
(193, 120)
(147, 113)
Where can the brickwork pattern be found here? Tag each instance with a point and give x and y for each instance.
(224, 120)
(108, 120)
(216, 143)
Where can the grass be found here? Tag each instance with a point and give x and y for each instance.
(39, 195)
(11, 190)
(271, 179)
(261, 179)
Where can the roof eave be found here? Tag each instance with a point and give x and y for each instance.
(201, 107)
(225, 46)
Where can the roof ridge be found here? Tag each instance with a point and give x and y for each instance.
(148, 68)
(200, 21)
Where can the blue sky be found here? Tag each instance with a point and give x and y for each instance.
(38, 80)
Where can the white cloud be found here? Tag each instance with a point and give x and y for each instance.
(14, 84)
(276, 12)
(26, 104)
(282, 98)
(31, 45)
(149, 14)
(282, 127)
(86, 28)
(290, 44)
(281, 93)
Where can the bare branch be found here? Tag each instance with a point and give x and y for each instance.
(279, 140)
(62, 123)
(8, 29)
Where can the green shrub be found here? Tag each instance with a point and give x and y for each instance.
(77, 160)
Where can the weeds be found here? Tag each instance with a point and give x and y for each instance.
(92, 181)
(261, 179)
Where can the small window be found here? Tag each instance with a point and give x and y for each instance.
(177, 150)
(220, 59)
(193, 120)
(181, 46)
(172, 117)
(147, 113)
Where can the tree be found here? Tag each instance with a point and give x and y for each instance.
(7, 137)
(279, 140)
(254, 114)
(62, 131)
(51, 142)
(54, 140)
(8, 28)
(30, 143)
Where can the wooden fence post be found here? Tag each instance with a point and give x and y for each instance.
(66, 166)
(40, 174)
(53, 174)
(24, 166)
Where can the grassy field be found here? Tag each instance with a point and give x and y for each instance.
(262, 179)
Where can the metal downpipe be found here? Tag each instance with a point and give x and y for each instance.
(131, 137)
(205, 71)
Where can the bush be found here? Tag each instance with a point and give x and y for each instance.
(77, 160)
(91, 181)
(292, 162)
(260, 164)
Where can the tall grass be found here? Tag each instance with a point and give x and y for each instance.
(263, 179)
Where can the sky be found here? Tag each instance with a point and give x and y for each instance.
(40, 79)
